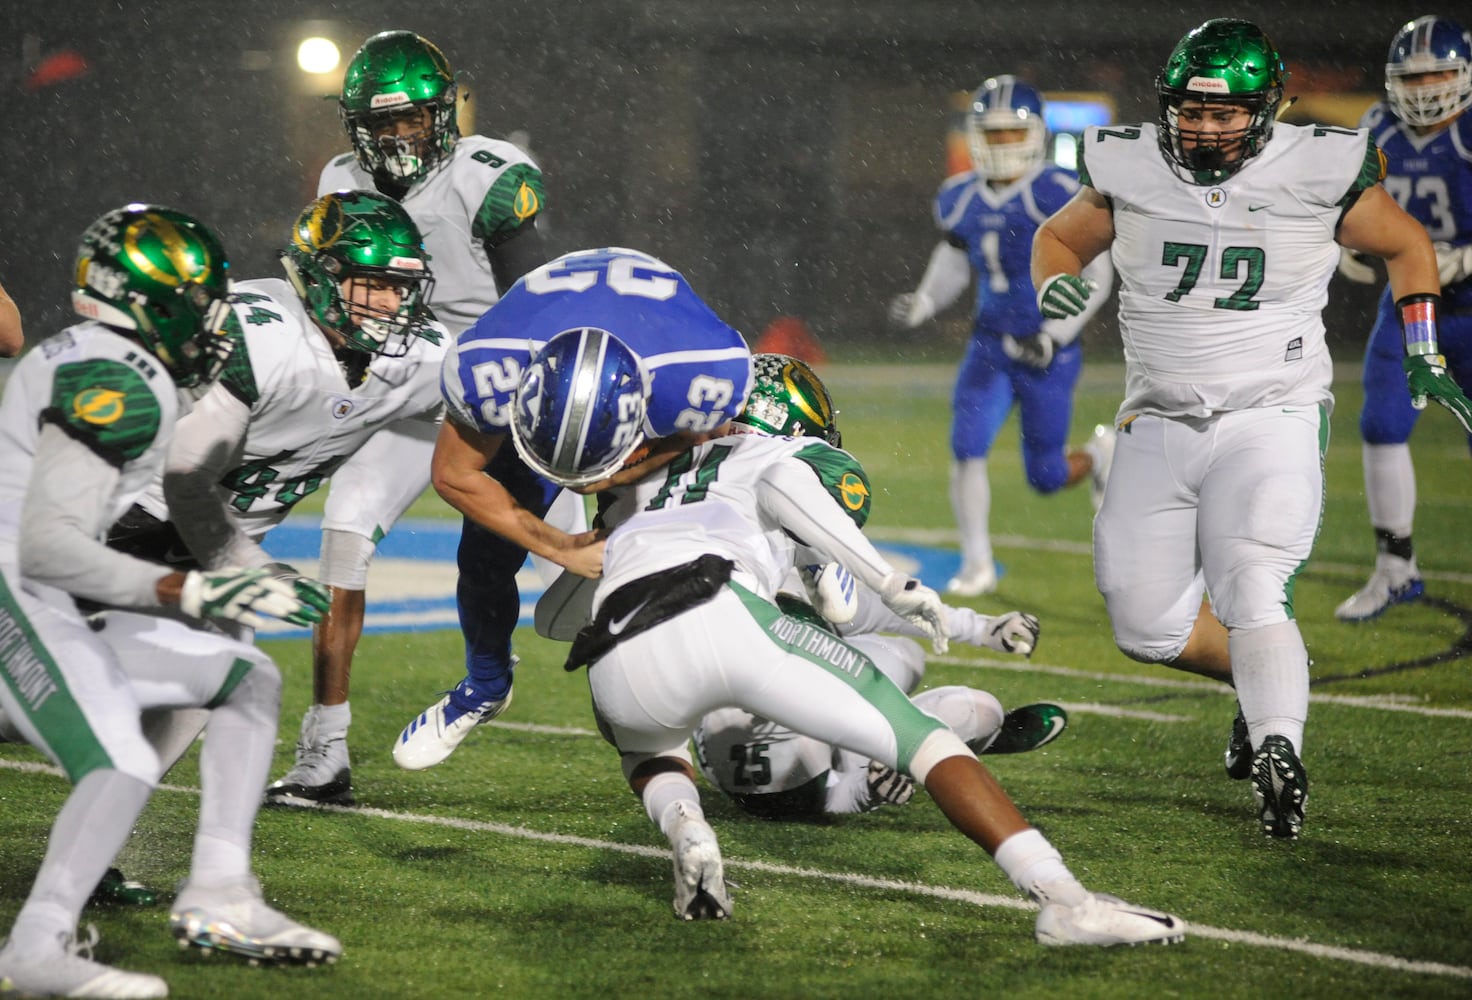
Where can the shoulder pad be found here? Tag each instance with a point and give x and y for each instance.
(106, 405)
(842, 476)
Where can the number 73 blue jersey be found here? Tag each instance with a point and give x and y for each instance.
(699, 367)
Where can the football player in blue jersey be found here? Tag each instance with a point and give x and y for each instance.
(1426, 134)
(698, 373)
(988, 216)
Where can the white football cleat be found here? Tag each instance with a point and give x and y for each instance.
(236, 919)
(1105, 921)
(1385, 589)
(973, 583)
(68, 971)
(700, 878)
(1100, 448)
(439, 729)
(322, 773)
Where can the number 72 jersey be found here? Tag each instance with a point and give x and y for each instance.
(700, 368)
(1222, 285)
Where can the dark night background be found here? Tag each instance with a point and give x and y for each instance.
(781, 154)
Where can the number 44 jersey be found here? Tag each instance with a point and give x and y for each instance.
(288, 418)
(1222, 285)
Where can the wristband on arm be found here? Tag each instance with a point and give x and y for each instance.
(1418, 323)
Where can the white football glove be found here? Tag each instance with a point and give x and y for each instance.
(917, 604)
(1453, 264)
(242, 595)
(909, 309)
(888, 787)
(1356, 267)
(832, 591)
(1013, 632)
(1035, 351)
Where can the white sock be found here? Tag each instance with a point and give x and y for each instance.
(333, 720)
(1390, 486)
(1270, 672)
(234, 766)
(664, 797)
(1036, 867)
(971, 502)
(89, 831)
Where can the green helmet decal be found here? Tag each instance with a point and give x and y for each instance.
(367, 236)
(398, 106)
(1223, 63)
(160, 275)
(789, 399)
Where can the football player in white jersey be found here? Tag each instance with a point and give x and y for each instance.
(684, 623)
(1426, 133)
(1225, 231)
(1015, 358)
(773, 772)
(339, 351)
(476, 201)
(85, 423)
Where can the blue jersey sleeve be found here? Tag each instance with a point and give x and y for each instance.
(479, 376)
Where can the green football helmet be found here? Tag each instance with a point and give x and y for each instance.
(1223, 62)
(395, 77)
(160, 276)
(789, 399)
(368, 236)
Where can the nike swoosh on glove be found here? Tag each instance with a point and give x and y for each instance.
(241, 595)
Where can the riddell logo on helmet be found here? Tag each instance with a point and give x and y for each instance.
(1209, 85)
(388, 100)
(406, 264)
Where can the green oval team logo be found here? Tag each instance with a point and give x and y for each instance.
(99, 406)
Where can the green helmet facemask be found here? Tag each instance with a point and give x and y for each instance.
(398, 106)
(1225, 63)
(159, 275)
(366, 236)
(789, 399)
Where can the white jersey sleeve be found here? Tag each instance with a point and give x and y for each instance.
(1222, 285)
(107, 409)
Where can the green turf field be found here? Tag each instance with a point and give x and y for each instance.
(522, 867)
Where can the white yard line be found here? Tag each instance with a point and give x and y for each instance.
(1249, 938)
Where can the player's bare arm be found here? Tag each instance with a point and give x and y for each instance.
(1077, 233)
(457, 472)
(12, 336)
(1377, 225)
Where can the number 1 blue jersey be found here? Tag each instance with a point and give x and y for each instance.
(996, 227)
(1431, 177)
(700, 368)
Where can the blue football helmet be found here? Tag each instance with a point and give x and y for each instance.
(579, 407)
(1005, 102)
(1429, 45)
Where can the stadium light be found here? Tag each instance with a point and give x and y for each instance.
(318, 55)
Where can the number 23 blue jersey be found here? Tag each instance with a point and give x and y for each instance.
(699, 367)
